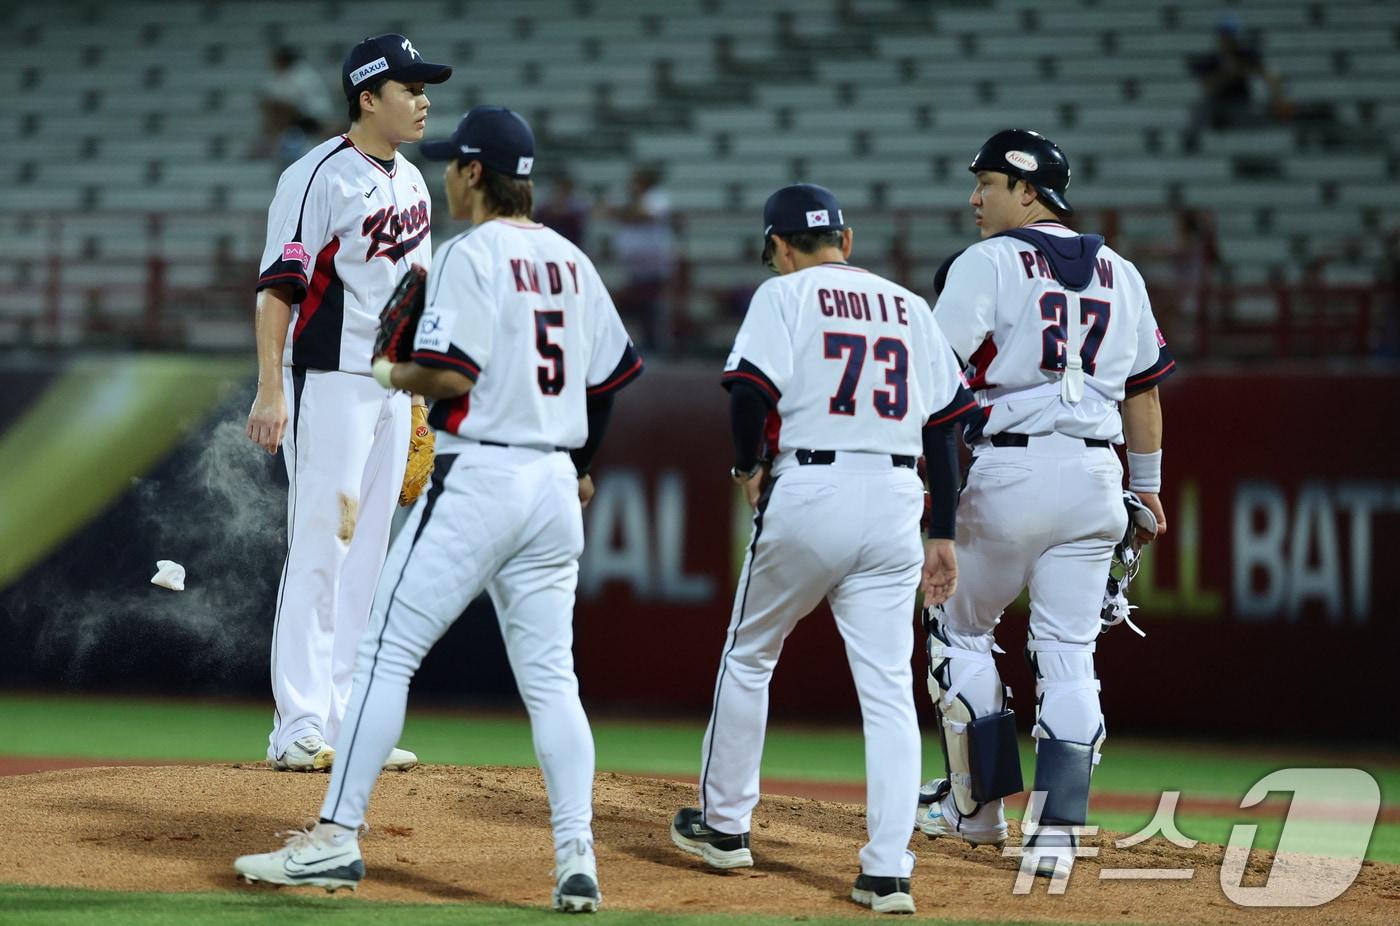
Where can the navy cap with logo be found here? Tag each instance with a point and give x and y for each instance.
(389, 55)
(495, 136)
(801, 207)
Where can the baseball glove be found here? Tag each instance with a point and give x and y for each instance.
(420, 458)
(398, 320)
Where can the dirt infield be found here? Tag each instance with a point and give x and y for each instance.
(452, 834)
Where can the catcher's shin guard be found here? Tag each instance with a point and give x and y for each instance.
(1069, 728)
(979, 731)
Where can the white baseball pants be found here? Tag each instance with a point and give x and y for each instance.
(847, 532)
(345, 450)
(1046, 516)
(507, 521)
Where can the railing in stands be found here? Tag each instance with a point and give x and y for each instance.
(42, 305)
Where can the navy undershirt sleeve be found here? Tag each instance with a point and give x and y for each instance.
(748, 410)
(941, 460)
(599, 407)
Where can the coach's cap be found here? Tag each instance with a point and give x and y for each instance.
(802, 207)
(495, 136)
(389, 55)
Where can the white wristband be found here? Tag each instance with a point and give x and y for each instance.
(383, 368)
(1145, 471)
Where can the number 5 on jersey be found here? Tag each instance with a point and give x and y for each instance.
(551, 376)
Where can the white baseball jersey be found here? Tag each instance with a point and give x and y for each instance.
(521, 307)
(341, 231)
(1004, 312)
(852, 361)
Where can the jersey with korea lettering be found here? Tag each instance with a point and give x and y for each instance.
(341, 231)
(1004, 312)
(852, 361)
(522, 312)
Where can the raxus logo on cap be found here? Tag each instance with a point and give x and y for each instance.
(389, 55)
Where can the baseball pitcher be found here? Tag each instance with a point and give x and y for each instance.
(347, 220)
(522, 350)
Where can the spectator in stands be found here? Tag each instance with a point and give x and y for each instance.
(297, 108)
(563, 210)
(1226, 75)
(645, 243)
(1192, 263)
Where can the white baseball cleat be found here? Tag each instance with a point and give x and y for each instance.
(940, 817)
(400, 760)
(307, 859)
(1053, 850)
(576, 880)
(308, 754)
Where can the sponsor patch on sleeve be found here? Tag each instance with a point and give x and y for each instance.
(1161, 341)
(293, 250)
(818, 218)
(431, 334)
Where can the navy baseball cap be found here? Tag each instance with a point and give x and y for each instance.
(802, 207)
(389, 55)
(495, 136)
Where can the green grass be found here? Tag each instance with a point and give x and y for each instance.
(43, 906)
(47, 726)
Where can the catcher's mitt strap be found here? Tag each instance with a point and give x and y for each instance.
(453, 359)
(627, 369)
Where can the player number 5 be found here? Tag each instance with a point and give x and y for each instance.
(550, 376)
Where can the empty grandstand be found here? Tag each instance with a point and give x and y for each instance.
(133, 212)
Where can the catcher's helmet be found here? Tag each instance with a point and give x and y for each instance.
(1031, 157)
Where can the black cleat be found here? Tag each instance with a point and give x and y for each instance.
(719, 850)
(883, 895)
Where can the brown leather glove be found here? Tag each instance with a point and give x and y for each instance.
(420, 458)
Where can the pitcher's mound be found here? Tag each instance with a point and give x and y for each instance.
(463, 835)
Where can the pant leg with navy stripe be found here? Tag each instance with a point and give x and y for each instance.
(512, 525)
(850, 536)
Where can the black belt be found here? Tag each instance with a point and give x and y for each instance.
(492, 443)
(1007, 439)
(828, 457)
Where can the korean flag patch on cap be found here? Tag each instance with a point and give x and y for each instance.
(818, 218)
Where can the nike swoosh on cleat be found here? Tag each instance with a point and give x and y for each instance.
(301, 868)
